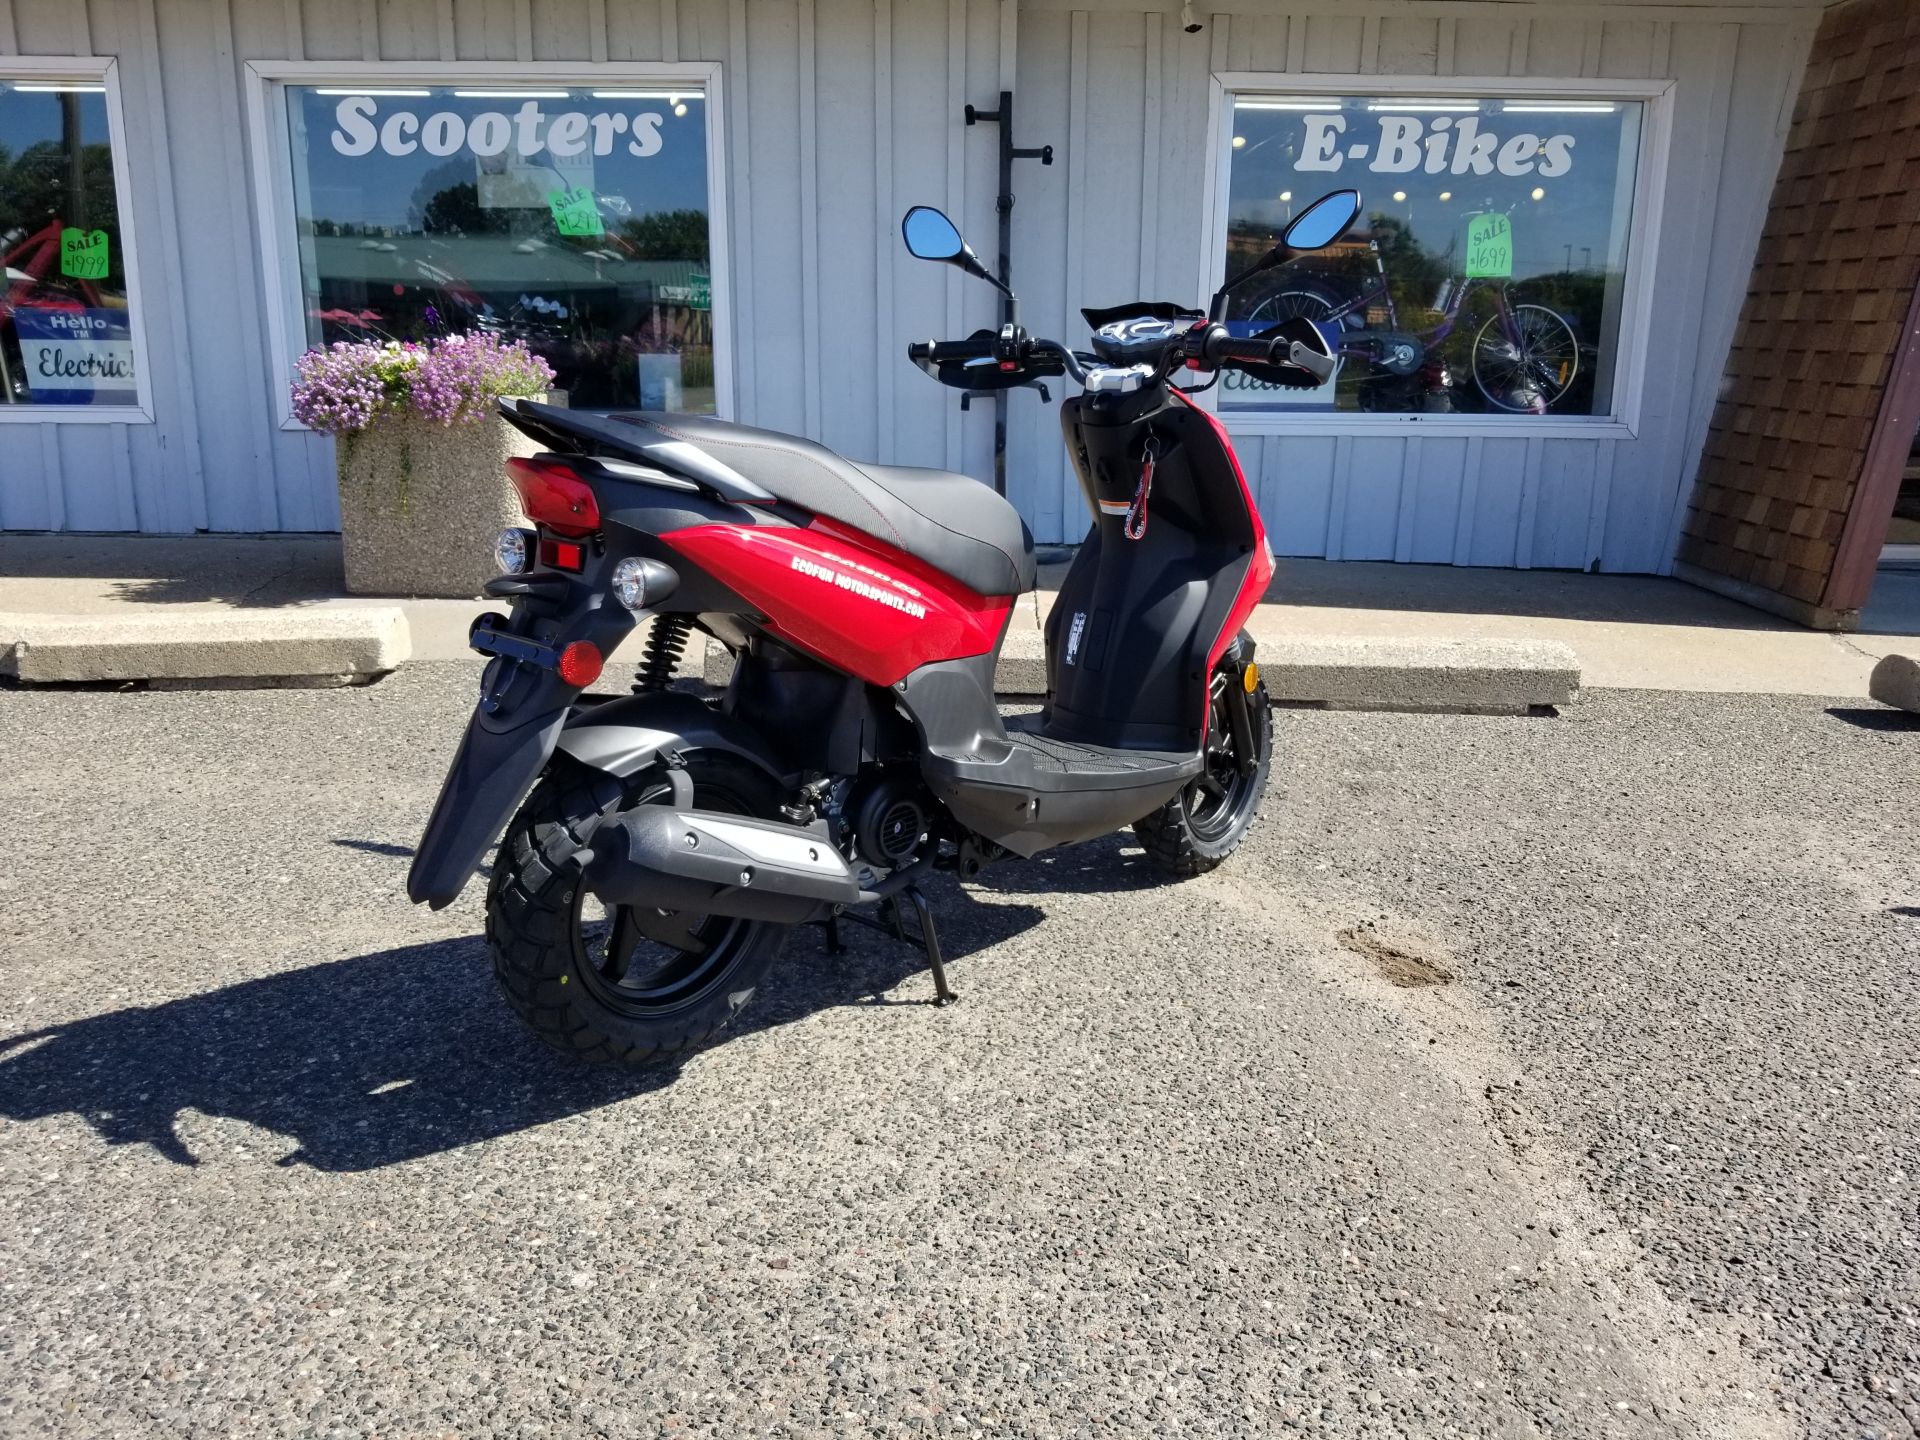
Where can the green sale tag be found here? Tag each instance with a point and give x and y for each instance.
(576, 212)
(1489, 247)
(83, 254)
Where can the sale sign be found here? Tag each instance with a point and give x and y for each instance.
(575, 212)
(1489, 247)
(84, 254)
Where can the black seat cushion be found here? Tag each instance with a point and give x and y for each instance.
(953, 522)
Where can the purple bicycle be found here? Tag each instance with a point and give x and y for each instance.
(1523, 358)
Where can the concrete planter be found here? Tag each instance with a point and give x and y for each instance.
(420, 504)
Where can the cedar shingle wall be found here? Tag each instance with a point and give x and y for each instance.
(1832, 283)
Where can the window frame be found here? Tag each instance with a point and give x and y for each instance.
(97, 70)
(1643, 242)
(273, 190)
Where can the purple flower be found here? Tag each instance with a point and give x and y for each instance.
(463, 375)
(341, 388)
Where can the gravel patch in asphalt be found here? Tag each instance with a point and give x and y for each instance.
(1519, 1077)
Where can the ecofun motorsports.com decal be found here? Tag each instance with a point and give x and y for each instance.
(866, 589)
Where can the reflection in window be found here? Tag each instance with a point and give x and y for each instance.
(572, 219)
(65, 337)
(1486, 271)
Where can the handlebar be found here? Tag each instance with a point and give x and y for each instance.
(1217, 348)
(987, 362)
(949, 352)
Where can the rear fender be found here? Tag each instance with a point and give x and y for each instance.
(622, 737)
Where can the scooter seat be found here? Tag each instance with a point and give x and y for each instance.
(954, 523)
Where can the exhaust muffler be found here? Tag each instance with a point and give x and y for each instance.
(712, 863)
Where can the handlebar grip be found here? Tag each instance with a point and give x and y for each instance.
(1225, 347)
(941, 352)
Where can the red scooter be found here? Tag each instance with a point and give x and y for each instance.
(670, 843)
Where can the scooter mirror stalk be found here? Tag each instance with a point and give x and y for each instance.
(1314, 228)
(930, 235)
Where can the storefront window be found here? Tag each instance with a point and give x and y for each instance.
(65, 329)
(574, 219)
(1486, 272)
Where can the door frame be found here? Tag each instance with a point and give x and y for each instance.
(1878, 487)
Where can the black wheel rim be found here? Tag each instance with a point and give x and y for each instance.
(645, 962)
(1222, 798)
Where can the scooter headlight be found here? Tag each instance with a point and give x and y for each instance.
(513, 551)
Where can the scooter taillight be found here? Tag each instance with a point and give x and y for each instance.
(553, 496)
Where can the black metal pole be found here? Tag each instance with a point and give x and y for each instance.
(1004, 205)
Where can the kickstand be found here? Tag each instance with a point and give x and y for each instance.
(891, 922)
(930, 942)
(832, 926)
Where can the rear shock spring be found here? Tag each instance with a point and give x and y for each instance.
(666, 642)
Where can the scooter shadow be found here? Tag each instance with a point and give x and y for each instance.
(404, 1053)
(1111, 864)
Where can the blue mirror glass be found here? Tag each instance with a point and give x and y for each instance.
(1322, 222)
(931, 235)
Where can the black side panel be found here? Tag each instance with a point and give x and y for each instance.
(814, 718)
(624, 736)
(1128, 636)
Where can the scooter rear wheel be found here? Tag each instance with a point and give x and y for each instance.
(1205, 823)
(612, 985)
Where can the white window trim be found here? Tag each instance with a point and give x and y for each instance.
(266, 82)
(96, 70)
(1643, 238)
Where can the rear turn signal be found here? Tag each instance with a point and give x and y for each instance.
(579, 664)
(553, 496)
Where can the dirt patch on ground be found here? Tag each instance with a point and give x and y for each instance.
(1399, 967)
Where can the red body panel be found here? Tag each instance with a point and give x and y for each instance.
(1259, 571)
(847, 599)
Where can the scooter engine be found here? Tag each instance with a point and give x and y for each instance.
(889, 816)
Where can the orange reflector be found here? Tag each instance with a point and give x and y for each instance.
(1250, 679)
(579, 664)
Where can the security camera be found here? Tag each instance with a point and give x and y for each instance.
(1189, 21)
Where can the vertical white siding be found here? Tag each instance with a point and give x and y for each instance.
(1552, 501)
(840, 114)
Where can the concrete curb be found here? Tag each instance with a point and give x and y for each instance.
(1492, 676)
(1896, 681)
(331, 645)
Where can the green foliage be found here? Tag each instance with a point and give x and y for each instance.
(669, 235)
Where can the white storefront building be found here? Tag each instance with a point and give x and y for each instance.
(696, 203)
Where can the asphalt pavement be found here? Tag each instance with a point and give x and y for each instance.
(1548, 1076)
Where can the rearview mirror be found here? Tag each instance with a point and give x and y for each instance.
(931, 235)
(1314, 228)
(1322, 222)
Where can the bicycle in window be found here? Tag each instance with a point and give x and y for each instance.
(1523, 357)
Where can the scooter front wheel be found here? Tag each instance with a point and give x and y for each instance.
(619, 985)
(1205, 823)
